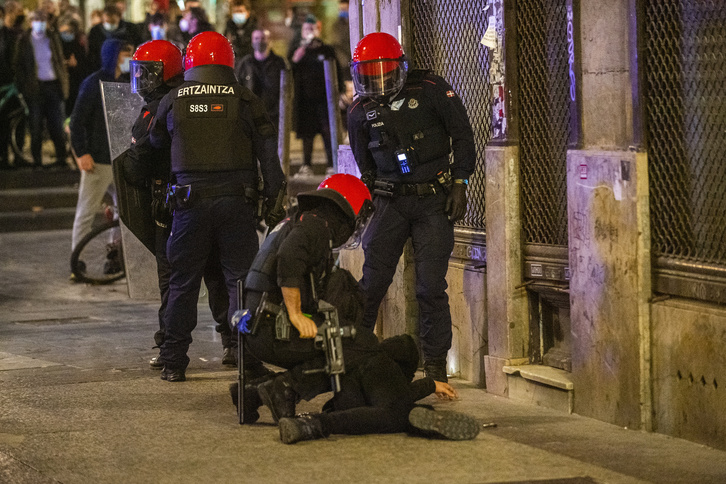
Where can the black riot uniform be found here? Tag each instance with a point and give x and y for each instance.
(298, 253)
(217, 130)
(147, 167)
(404, 145)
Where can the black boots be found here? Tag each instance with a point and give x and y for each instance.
(229, 357)
(173, 375)
(278, 395)
(251, 401)
(436, 368)
(307, 427)
(447, 425)
(155, 363)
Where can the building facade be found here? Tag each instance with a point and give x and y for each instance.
(589, 274)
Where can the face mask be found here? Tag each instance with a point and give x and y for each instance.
(125, 66)
(288, 21)
(184, 25)
(308, 37)
(67, 36)
(259, 46)
(239, 18)
(38, 26)
(109, 26)
(343, 15)
(158, 32)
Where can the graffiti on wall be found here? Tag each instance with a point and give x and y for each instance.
(494, 41)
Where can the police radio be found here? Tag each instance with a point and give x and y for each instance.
(402, 159)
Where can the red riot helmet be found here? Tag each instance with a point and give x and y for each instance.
(209, 48)
(154, 63)
(379, 66)
(351, 195)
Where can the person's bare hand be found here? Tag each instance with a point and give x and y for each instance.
(445, 391)
(305, 325)
(72, 62)
(85, 163)
(299, 54)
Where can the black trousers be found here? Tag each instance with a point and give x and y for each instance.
(48, 106)
(375, 398)
(425, 221)
(225, 224)
(300, 356)
(216, 286)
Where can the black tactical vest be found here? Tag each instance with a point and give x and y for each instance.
(213, 124)
(410, 126)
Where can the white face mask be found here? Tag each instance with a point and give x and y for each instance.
(109, 26)
(37, 26)
(125, 65)
(184, 25)
(309, 36)
(158, 32)
(239, 18)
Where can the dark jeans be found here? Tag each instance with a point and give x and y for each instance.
(432, 234)
(48, 106)
(225, 224)
(308, 149)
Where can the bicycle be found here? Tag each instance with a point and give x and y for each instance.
(17, 117)
(98, 257)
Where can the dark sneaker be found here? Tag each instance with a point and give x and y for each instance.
(444, 424)
(229, 357)
(156, 363)
(114, 262)
(279, 397)
(173, 375)
(436, 368)
(307, 427)
(251, 399)
(78, 276)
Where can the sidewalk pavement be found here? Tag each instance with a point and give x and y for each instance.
(79, 404)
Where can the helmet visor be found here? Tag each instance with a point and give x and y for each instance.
(146, 76)
(380, 77)
(361, 225)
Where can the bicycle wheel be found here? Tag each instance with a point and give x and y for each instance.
(17, 133)
(98, 257)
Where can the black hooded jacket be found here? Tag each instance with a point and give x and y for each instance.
(88, 123)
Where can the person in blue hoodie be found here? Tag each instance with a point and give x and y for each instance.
(88, 136)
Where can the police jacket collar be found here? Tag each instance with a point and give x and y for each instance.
(211, 74)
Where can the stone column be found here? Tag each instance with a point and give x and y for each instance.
(609, 231)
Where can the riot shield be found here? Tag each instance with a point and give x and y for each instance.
(121, 108)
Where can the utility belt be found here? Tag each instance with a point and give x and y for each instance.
(442, 184)
(184, 196)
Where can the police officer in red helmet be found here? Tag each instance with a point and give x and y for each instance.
(218, 133)
(157, 67)
(403, 127)
(295, 270)
(292, 270)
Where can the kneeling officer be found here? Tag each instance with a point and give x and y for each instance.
(292, 271)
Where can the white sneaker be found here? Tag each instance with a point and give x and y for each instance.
(305, 171)
(330, 171)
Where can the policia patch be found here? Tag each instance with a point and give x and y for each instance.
(201, 109)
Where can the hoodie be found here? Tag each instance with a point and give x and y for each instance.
(88, 123)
